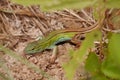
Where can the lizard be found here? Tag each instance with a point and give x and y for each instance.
(55, 37)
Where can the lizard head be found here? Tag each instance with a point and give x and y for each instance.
(31, 48)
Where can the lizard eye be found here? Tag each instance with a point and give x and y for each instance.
(82, 38)
(33, 48)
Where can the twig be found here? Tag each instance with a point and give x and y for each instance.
(71, 12)
(34, 13)
(114, 31)
(91, 19)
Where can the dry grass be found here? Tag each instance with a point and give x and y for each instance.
(20, 25)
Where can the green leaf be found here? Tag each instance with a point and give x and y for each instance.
(70, 69)
(92, 63)
(99, 77)
(6, 69)
(57, 4)
(80, 54)
(33, 2)
(112, 3)
(71, 4)
(96, 15)
(111, 64)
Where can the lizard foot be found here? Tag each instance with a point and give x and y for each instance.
(53, 58)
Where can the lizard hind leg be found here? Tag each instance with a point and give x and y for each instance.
(77, 39)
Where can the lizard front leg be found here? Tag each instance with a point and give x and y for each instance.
(54, 55)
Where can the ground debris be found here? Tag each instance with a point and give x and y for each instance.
(20, 25)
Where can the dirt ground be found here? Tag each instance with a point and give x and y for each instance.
(27, 24)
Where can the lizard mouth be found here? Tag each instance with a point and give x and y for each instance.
(30, 50)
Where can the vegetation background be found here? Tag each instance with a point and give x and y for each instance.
(22, 21)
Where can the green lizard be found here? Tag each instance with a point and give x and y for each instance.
(55, 37)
